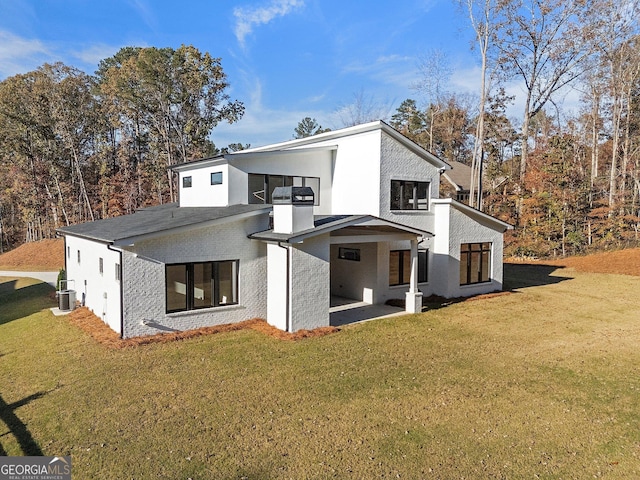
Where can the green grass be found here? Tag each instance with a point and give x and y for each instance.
(543, 383)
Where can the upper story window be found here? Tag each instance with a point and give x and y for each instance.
(186, 182)
(216, 178)
(409, 195)
(261, 186)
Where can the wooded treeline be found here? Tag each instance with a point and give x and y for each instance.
(569, 181)
(76, 147)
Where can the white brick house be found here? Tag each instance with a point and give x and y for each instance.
(369, 226)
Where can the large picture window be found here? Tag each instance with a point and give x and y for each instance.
(190, 286)
(400, 267)
(407, 195)
(261, 186)
(475, 262)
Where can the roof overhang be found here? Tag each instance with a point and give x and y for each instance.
(350, 131)
(477, 215)
(348, 229)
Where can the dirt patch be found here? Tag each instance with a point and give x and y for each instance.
(624, 262)
(87, 321)
(45, 255)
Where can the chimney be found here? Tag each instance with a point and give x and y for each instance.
(292, 209)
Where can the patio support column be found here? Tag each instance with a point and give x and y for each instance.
(413, 299)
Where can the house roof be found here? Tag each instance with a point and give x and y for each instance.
(158, 220)
(459, 176)
(359, 225)
(474, 213)
(298, 145)
(355, 130)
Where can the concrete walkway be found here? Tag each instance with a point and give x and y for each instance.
(49, 277)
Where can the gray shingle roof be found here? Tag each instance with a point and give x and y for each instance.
(155, 220)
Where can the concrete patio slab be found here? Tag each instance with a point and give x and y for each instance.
(344, 311)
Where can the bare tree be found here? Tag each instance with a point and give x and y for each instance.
(363, 109)
(615, 27)
(541, 42)
(435, 73)
(484, 19)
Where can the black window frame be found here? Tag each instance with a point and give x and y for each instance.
(190, 285)
(400, 200)
(187, 182)
(423, 267)
(216, 181)
(479, 251)
(270, 181)
(348, 253)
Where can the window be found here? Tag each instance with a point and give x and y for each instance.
(101, 265)
(349, 254)
(186, 182)
(118, 272)
(78, 256)
(68, 252)
(261, 186)
(406, 195)
(475, 261)
(191, 286)
(216, 178)
(400, 267)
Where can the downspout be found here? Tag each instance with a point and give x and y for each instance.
(287, 312)
(119, 252)
(66, 270)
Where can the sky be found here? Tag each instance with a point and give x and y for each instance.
(284, 59)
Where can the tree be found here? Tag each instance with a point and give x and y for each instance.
(484, 18)
(363, 109)
(435, 73)
(168, 101)
(307, 127)
(541, 42)
(410, 121)
(615, 30)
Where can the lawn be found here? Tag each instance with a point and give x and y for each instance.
(541, 383)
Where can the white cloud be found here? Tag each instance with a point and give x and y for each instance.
(20, 55)
(93, 54)
(145, 12)
(247, 17)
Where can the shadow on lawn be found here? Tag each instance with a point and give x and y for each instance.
(518, 276)
(27, 443)
(515, 276)
(22, 302)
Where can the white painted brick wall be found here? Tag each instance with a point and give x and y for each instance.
(398, 163)
(463, 229)
(101, 290)
(310, 288)
(144, 277)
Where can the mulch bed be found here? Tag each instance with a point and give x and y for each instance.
(88, 322)
(42, 255)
